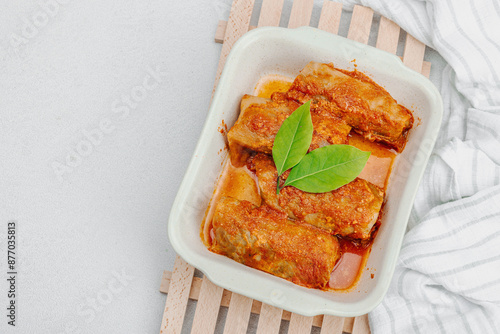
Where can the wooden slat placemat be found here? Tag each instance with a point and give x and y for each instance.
(180, 284)
(269, 319)
(175, 307)
(361, 23)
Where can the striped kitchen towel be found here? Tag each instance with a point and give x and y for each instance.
(447, 278)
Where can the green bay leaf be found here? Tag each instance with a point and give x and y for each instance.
(327, 168)
(293, 139)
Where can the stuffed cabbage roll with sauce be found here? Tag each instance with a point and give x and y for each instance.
(354, 97)
(350, 211)
(268, 240)
(261, 118)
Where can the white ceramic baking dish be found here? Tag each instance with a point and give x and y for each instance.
(266, 51)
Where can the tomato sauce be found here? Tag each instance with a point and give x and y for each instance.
(354, 255)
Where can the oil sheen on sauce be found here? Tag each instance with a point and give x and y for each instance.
(350, 266)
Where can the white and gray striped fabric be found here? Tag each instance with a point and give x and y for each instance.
(448, 276)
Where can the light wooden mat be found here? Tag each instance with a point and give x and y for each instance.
(180, 284)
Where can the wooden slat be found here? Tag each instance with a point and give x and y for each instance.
(270, 13)
(332, 325)
(207, 308)
(329, 19)
(361, 325)
(219, 38)
(195, 285)
(226, 298)
(413, 55)
(238, 314)
(317, 320)
(300, 324)
(361, 23)
(238, 24)
(256, 306)
(269, 320)
(175, 307)
(388, 35)
(220, 32)
(240, 306)
(301, 13)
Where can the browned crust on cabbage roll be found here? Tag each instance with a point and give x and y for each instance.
(350, 211)
(265, 239)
